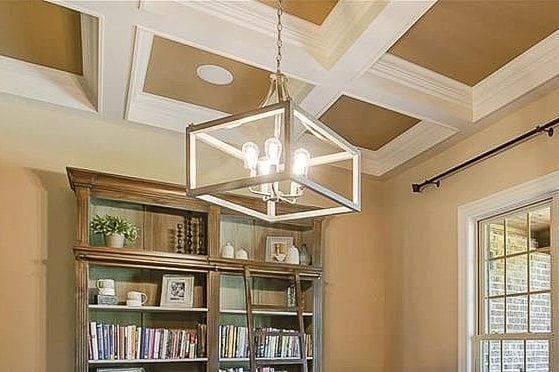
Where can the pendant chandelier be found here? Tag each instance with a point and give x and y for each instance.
(276, 163)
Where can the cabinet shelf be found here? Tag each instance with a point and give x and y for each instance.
(274, 360)
(153, 309)
(138, 361)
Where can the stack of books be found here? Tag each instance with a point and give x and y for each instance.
(277, 343)
(233, 342)
(120, 342)
(308, 345)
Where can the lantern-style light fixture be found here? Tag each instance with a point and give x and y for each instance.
(276, 163)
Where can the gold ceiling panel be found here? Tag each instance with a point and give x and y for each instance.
(41, 33)
(469, 40)
(364, 124)
(315, 11)
(172, 73)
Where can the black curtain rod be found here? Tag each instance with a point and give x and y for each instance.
(436, 180)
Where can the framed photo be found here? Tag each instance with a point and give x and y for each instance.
(177, 291)
(277, 248)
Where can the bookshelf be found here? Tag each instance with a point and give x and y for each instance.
(276, 308)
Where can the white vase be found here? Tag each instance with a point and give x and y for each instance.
(241, 254)
(114, 240)
(292, 256)
(228, 251)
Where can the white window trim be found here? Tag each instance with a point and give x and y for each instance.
(468, 216)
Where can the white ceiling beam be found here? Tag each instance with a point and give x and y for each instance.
(526, 72)
(407, 88)
(386, 28)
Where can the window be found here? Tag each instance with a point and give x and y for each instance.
(514, 325)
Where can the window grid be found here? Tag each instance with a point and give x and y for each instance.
(487, 333)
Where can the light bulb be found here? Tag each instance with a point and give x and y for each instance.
(250, 153)
(272, 146)
(301, 162)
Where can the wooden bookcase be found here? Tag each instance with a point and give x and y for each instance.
(243, 305)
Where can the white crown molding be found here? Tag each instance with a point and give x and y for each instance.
(406, 146)
(43, 84)
(531, 69)
(422, 79)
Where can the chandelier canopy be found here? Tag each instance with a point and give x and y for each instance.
(276, 163)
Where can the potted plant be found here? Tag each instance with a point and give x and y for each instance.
(115, 229)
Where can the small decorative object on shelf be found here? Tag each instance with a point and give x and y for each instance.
(115, 229)
(241, 254)
(228, 251)
(292, 256)
(136, 298)
(177, 291)
(106, 300)
(277, 248)
(304, 255)
(180, 238)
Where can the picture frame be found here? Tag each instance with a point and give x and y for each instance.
(177, 291)
(277, 248)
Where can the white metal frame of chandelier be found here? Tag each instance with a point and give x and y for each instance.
(289, 109)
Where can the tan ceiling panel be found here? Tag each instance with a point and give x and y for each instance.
(469, 40)
(172, 73)
(315, 11)
(366, 125)
(41, 33)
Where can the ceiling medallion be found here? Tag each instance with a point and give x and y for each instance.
(276, 163)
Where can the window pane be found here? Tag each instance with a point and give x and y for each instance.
(491, 356)
(517, 233)
(517, 314)
(537, 356)
(496, 316)
(496, 242)
(539, 227)
(540, 271)
(540, 312)
(517, 274)
(496, 277)
(513, 356)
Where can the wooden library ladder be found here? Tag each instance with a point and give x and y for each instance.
(255, 363)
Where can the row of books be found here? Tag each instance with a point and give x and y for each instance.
(233, 342)
(121, 342)
(277, 343)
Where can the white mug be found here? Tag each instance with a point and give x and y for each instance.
(105, 283)
(136, 298)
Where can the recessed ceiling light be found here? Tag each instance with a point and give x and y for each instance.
(214, 74)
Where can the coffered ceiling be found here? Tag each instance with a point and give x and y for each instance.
(395, 77)
(378, 126)
(470, 40)
(314, 11)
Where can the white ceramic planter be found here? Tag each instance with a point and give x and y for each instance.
(114, 240)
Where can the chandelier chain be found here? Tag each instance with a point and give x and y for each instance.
(279, 41)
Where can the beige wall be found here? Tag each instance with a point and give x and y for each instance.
(37, 221)
(421, 229)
